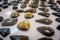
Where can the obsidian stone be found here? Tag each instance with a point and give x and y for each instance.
(58, 19)
(1, 38)
(19, 37)
(47, 31)
(19, 10)
(45, 14)
(45, 38)
(56, 14)
(58, 27)
(44, 21)
(1, 18)
(9, 22)
(4, 32)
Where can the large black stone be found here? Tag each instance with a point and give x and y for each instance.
(9, 22)
(58, 19)
(1, 18)
(4, 32)
(47, 31)
(19, 37)
(58, 27)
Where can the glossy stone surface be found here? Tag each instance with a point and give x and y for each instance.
(44, 21)
(32, 10)
(47, 31)
(23, 5)
(28, 15)
(14, 14)
(44, 9)
(45, 38)
(19, 37)
(5, 32)
(19, 10)
(1, 38)
(58, 27)
(56, 14)
(9, 22)
(58, 19)
(1, 18)
(24, 25)
(45, 14)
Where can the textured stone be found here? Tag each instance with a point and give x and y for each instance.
(47, 31)
(45, 14)
(9, 22)
(19, 37)
(5, 32)
(24, 25)
(44, 21)
(28, 15)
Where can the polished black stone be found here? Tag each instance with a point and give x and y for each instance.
(19, 37)
(5, 32)
(45, 38)
(58, 19)
(56, 14)
(9, 22)
(1, 18)
(58, 27)
(47, 31)
(1, 38)
(44, 21)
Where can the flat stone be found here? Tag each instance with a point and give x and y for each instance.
(23, 5)
(5, 32)
(45, 38)
(24, 25)
(47, 31)
(28, 15)
(1, 38)
(44, 21)
(19, 10)
(14, 14)
(9, 22)
(45, 14)
(58, 27)
(56, 14)
(58, 19)
(19, 37)
(1, 18)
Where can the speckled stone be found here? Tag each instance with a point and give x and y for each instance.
(19, 37)
(47, 31)
(5, 32)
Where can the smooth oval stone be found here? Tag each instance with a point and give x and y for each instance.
(28, 15)
(23, 5)
(19, 37)
(32, 10)
(9, 22)
(56, 14)
(47, 31)
(5, 32)
(58, 19)
(1, 18)
(14, 14)
(58, 27)
(24, 25)
(45, 38)
(45, 14)
(1, 38)
(19, 10)
(44, 21)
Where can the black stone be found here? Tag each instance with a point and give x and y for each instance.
(45, 14)
(19, 10)
(58, 19)
(9, 22)
(1, 38)
(5, 32)
(58, 27)
(19, 37)
(44, 21)
(56, 14)
(47, 31)
(45, 38)
(1, 18)
(0, 10)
